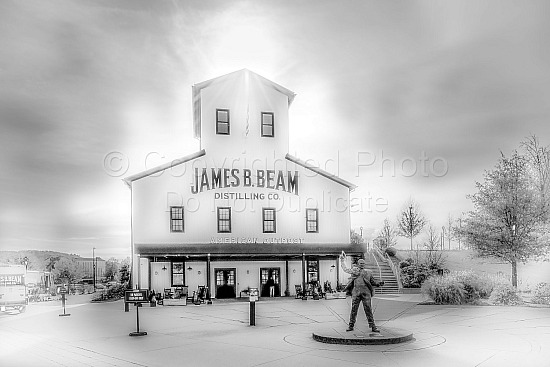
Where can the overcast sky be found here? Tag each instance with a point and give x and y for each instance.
(441, 85)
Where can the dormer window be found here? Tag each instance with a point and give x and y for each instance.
(268, 128)
(222, 122)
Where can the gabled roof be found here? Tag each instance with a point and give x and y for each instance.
(128, 180)
(321, 172)
(246, 74)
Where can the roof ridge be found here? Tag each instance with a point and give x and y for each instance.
(321, 171)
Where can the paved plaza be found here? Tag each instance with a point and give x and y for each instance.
(220, 334)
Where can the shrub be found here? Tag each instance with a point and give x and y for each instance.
(542, 294)
(505, 294)
(414, 275)
(391, 251)
(444, 290)
(111, 293)
(476, 286)
(404, 264)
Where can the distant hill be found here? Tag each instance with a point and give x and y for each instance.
(37, 260)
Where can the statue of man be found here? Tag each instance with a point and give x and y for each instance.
(362, 281)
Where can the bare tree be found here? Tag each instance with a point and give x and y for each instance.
(387, 235)
(456, 230)
(411, 221)
(450, 231)
(434, 257)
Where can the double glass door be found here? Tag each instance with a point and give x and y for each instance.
(270, 280)
(225, 283)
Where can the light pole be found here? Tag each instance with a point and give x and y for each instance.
(93, 266)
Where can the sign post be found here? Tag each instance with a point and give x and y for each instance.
(137, 297)
(63, 292)
(253, 297)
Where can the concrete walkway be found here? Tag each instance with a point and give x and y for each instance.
(220, 335)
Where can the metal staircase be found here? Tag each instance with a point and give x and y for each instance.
(382, 270)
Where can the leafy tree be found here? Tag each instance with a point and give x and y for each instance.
(67, 270)
(411, 221)
(356, 238)
(507, 220)
(125, 270)
(111, 268)
(538, 160)
(51, 262)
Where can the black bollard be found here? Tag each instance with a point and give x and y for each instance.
(252, 313)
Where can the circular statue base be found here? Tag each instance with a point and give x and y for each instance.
(363, 336)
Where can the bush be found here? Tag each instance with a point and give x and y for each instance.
(542, 294)
(111, 293)
(391, 251)
(473, 287)
(505, 294)
(405, 263)
(414, 275)
(476, 286)
(444, 290)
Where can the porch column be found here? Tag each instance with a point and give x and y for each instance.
(209, 300)
(287, 287)
(337, 272)
(304, 297)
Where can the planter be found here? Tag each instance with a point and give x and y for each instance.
(411, 290)
(336, 295)
(175, 302)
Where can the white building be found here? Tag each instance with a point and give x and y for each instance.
(241, 210)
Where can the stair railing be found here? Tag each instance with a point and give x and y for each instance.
(396, 271)
(376, 261)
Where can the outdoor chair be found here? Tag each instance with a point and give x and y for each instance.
(299, 291)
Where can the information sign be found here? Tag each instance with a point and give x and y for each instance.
(253, 294)
(135, 296)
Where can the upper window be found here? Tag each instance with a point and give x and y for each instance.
(312, 220)
(224, 220)
(176, 219)
(268, 125)
(222, 122)
(269, 220)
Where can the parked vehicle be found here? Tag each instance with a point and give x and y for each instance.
(13, 291)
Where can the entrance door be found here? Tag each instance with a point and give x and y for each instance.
(270, 282)
(225, 283)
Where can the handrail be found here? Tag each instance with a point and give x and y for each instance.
(377, 264)
(395, 270)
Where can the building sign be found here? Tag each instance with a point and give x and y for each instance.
(224, 178)
(135, 296)
(246, 196)
(244, 240)
(12, 280)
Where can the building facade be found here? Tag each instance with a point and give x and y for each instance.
(241, 212)
(86, 264)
